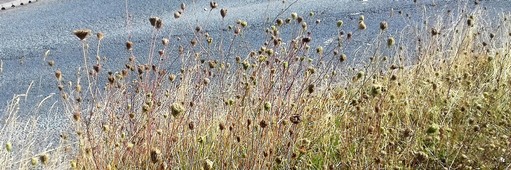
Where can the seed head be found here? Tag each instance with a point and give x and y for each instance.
(153, 20)
(279, 22)
(159, 24)
(433, 128)
(76, 116)
(206, 81)
(263, 124)
(8, 147)
(295, 119)
(319, 50)
(434, 31)
(183, 6)
(294, 15)
(267, 106)
(177, 109)
(165, 41)
(58, 75)
(100, 36)
(82, 34)
(383, 25)
(155, 155)
(310, 88)
(343, 57)
(339, 23)
(33, 161)
(362, 25)
(172, 77)
(470, 22)
(177, 14)
(191, 126)
(129, 45)
(223, 12)
(208, 165)
(213, 4)
(390, 41)
(44, 159)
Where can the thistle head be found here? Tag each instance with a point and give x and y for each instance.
(82, 33)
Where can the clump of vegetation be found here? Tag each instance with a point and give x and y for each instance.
(439, 102)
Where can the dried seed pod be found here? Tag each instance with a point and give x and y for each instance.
(223, 12)
(177, 14)
(383, 25)
(100, 36)
(129, 45)
(295, 119)
(82, 34)
(213, 4)
(153, 20)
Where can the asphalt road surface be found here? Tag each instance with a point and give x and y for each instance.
(27, 32)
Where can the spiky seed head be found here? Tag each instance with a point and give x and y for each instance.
(279, 22)
(434, 31)
(295, 119)
(33, 161)
(294, 15)
(246, 65)
(82, 33)
(155, 155)
(223, 12)
(191, 126)
(310, 88)
(208, 165)
(153, 20)
(383, 25)
(100, 36)
(206, 81)
(172, 77)
(8, 147)
(362, 25)
(97, 68)
(51, 63)
(390, 41)
(58, 75)
(433, 128)
(159, 24)
(263, 124)
(339, 23)
(343, 57)
(306, 39)
(177, 14)
(165, 41)
(319, 50)
(304, 25)
(45, 158)
(183, 6)
(299, 19)
(106, 128)
(244, 23)
(129, 45)
(267, 106)
(213, 4)
(177, 109)
(73, 164)
(470, 22)
(360, 74)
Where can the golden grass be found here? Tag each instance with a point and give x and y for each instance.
(440, 103)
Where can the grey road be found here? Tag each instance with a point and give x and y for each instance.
(27, 32)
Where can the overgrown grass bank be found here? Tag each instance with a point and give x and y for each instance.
(435, 97)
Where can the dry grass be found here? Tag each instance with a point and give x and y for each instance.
(439, 102)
